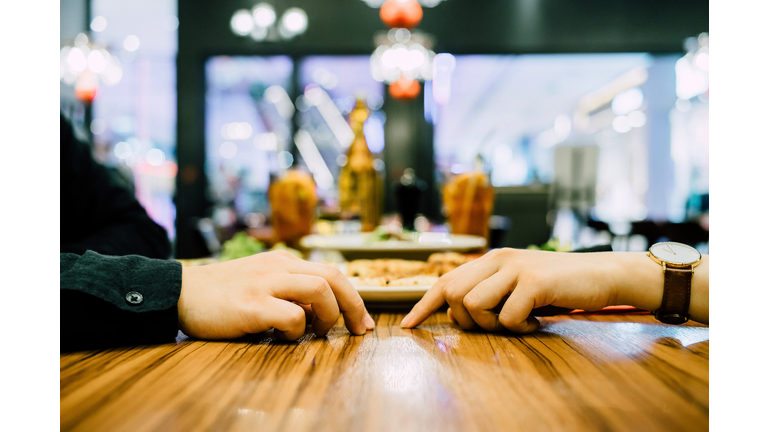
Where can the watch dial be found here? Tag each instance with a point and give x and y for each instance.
(676, 253)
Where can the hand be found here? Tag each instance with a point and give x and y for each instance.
(518, 281)
(264, 291)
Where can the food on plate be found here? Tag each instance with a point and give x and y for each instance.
(414, 281)
(400, 272)
(390, 233)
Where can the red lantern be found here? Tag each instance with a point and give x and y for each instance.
(401, 13)
(404, 89)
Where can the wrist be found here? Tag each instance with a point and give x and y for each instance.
(636, 280)
(181, 305)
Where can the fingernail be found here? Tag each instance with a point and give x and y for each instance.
(368, 320)
(406, 321)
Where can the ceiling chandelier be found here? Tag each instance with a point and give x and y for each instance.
(261, 23)
(403, 57)
(84, 64)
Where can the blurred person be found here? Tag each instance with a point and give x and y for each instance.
(501, 289)
(118, 287)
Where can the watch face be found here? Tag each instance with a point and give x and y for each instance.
(675, 253)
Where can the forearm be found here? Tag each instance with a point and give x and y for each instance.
(639, 282)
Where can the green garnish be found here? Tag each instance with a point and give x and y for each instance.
(552, 245)
(239, 246)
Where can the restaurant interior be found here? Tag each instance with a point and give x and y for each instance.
(201, 105)
(420, 131)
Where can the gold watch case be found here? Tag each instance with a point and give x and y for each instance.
(674, 249)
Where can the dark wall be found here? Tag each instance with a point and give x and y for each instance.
(459, 26)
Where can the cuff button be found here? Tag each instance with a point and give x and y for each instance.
(134, 297)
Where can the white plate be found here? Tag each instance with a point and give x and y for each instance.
(393, 294)
(390, 293)
(355, 246)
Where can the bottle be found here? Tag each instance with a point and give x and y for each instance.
(359, 192)
(409, 192)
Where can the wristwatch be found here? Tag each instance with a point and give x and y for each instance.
(677, 262)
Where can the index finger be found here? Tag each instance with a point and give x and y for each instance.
(435, 297)
(314, 291)
(350, 303)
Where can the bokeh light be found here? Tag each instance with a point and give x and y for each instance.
(293, 22)
(683, 105)
(627, 101)
(622, 124)
(264, 15)
(228, 150)
(284, 159)
(131, 43)
(637, 118)
(155, 157)
(97, 63)
(122, 150)
(98, 126)
(236, 131)
(81, 40)
(702, 60)
(171, 23)
(266, 141)
(76, 59)
(99, 24)
(114, 72)
(242, 22)
(259, 33)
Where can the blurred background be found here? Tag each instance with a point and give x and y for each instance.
(589, 119)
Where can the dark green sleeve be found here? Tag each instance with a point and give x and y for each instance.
(109, 301)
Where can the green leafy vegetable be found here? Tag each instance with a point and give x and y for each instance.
(382, 233)
(239, 246)
(552, 245)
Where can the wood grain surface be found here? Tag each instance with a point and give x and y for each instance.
(591, 372)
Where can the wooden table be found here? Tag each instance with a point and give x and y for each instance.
(587, 372)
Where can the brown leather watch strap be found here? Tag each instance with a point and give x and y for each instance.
(677, 295)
